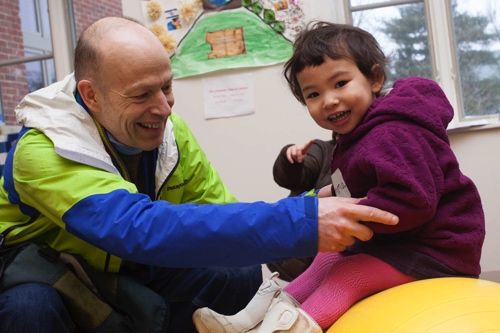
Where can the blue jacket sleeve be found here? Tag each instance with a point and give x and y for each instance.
(189, 235)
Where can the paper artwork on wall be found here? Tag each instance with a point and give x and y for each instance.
(203, 36)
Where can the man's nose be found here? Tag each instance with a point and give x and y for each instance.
(162, 104)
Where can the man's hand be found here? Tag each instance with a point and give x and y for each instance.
(338, 222)
(325, 191)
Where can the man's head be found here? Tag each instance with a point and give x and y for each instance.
(124, 76)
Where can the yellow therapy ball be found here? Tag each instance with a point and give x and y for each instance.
(440, 305)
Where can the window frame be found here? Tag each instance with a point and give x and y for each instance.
(63, 33)
(62, 36)
(442, 51)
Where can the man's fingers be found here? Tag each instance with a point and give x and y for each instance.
(367, 213)
(371, 214)
(362, 233)
(339, 222)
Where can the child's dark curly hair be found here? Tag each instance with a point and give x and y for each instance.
(321, 40)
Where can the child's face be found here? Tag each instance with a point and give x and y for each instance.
(337, 94)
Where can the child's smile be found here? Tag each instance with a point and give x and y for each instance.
(337, 94)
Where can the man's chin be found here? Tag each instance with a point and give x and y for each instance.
(150, 145)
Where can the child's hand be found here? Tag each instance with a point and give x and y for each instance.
(297, 153)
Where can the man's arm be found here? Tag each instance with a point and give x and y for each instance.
(103, 210)
(237, 234)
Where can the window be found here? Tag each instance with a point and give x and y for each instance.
(454, 42)
(27, 63)
(35, 28)
(476, 27)
(30, 40)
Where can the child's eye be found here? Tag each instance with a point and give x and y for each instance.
(340, 84)
(312, 95)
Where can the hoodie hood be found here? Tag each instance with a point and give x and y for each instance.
(417, 100)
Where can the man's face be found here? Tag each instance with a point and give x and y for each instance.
(135, 99)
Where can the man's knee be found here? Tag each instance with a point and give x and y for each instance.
(38, 304)
(33, 297)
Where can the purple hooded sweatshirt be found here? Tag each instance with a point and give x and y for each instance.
(400, 158)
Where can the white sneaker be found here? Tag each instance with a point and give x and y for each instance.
(285, 318)
(245, 321)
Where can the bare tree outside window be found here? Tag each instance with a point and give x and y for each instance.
(402, 33)
(477, 41)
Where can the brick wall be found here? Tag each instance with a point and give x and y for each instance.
(12, 78)
(87, 12)
(13, 86)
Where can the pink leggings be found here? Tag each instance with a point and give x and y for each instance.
(334, 282)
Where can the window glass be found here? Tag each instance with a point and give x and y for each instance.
(39, 73)
(26, 31)
(28, 16)
(367, 2)
(477, 43)
(44, 12)
(402, 34)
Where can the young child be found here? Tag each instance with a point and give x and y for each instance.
(393, 150)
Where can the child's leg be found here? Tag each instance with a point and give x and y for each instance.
(306, 283)
(349, 280)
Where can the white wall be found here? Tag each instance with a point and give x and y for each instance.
(479, 156)
(243, 149)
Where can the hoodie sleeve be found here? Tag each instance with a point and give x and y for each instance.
(399, 156)
(299, 177)
(404, 161)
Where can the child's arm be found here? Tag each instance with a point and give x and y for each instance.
(300, 176)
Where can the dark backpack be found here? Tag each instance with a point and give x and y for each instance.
(96, 301)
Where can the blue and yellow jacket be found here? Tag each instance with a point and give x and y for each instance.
(63, 186)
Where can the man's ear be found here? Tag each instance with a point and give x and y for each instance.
(378, 79)
(88, 93)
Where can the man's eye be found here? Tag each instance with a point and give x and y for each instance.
(142, 96)
(166, 89)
